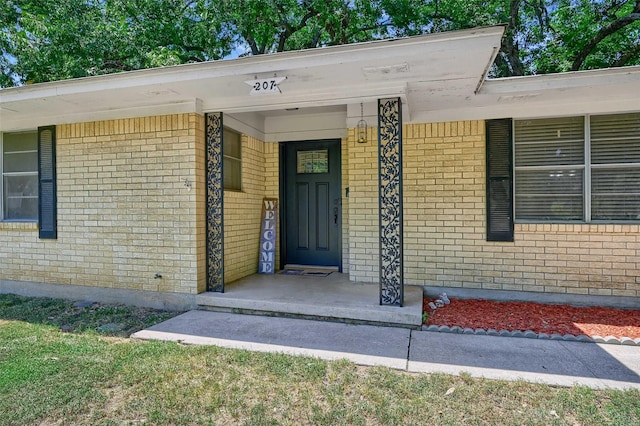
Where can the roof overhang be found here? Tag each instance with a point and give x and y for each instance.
(423, 70)
(599, 91)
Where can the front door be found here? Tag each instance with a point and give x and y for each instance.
(313, 203)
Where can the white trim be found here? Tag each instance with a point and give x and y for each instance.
(250, 124)
(35, 121)
(586, 184)
(579, 79)
(239, 66)
(1, 176)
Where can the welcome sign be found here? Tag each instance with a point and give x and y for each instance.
(267, 260)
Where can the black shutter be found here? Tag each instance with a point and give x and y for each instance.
(47, 182)
(499, 180)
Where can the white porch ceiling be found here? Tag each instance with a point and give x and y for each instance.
(425, 71)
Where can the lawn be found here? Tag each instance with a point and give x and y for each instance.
(66, 364)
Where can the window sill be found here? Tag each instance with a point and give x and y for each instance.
(22, 226)
(579, 227)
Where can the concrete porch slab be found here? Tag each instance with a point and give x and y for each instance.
(331, 298)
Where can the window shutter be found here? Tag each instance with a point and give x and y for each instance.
(499, 181)
(47, 182)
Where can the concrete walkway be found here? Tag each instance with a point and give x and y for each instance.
(509, 358)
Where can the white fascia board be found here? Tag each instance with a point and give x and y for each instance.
(33, 121)
(292, 136)
(313, 98)
(527, 111)
(277, 62)
(249, 123)
(576, 79)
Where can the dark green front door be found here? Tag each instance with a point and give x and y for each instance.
(313, 203)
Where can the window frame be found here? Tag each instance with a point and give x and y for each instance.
(35, 173)
(226, 158)
(587, 193)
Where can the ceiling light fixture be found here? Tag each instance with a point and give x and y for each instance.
(362, 126)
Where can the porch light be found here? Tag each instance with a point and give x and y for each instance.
(362, 127)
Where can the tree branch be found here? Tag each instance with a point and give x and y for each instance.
(628, 56)
(508, 46)
(253, 45)
(289, 30)
(613, 27)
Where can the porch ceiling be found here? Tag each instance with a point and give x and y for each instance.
(448, 67)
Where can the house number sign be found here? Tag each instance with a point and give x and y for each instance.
(267, 260)
(263, 86)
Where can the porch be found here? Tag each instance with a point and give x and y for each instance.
(330, 298)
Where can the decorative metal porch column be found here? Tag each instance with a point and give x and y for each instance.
(215, 202)
(390, 204)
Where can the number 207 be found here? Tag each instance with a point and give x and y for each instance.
(264, 85)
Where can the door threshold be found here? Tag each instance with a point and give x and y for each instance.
(313, 267)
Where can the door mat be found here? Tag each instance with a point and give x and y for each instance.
(305, 273)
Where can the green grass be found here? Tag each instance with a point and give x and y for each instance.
(86, 377)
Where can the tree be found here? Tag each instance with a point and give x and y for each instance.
(592, 34)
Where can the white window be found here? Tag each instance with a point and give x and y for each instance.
(578, 168)
(232, 160)
(19, 169)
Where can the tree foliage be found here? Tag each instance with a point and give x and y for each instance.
(43, 40)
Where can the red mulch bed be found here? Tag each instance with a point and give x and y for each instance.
(540, 318)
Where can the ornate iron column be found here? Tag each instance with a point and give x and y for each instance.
(215, 202)
(390, 204)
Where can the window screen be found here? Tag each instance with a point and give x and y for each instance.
(20, 176)
(232, 160)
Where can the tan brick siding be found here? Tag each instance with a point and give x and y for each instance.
(344, 145)
(445, 228)
(242, 211)
(362, 209)
(200, 203)
(124, 213)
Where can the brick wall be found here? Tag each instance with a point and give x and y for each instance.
(445, 225)
(362, 209)
(124, 212)
(344, 145)
(445, 228)
(242, 211)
